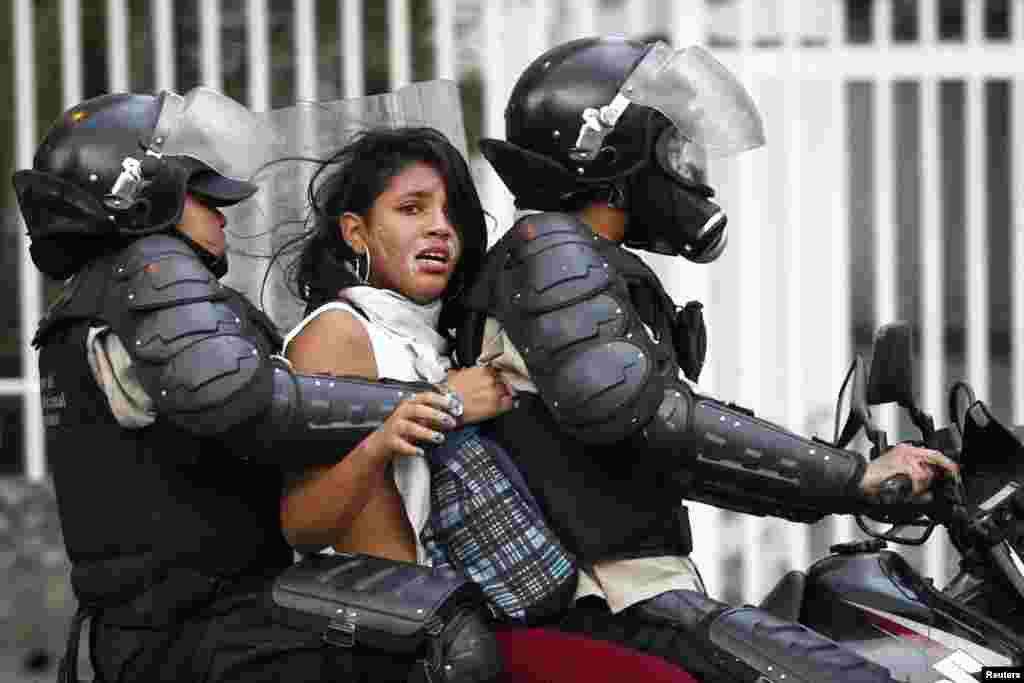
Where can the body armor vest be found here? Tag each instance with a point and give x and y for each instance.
(600, 503)
(146, 507)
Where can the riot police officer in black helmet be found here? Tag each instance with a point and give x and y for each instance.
(169, 419)
(608, 139)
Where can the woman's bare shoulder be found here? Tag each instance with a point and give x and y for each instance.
(334, 342)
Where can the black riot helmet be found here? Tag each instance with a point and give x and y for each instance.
(633, 123)
(118, 166)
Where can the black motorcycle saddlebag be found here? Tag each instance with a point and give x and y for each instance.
(367, 601)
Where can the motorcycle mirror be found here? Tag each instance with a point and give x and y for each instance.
(852, 412)
(892, 366)
(892, 375)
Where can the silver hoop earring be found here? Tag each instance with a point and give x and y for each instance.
(363, 277)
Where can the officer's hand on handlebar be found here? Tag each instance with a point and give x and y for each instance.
(920, 465)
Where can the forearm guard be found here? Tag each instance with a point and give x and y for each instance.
(724, 456)
(306, 410)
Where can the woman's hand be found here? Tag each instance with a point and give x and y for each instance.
(482, 391)
(920, 464)
(422, 419)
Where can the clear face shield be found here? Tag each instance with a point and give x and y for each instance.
(712, 116)
(704, 100)
(216, 131)
(218, 146)
(311, 133)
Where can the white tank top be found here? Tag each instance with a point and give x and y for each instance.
(395, 361)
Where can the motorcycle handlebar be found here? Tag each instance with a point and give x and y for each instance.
(895, 490)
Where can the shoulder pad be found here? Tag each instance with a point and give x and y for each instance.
(159, 271)
(209, 373)
(536, 231)
(549, 260)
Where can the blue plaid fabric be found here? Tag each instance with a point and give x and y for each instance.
(486, 524)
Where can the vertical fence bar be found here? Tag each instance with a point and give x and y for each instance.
(682, 279)
(538, 39)
(1017, 227)
(932, 313)
(211, 73)
(583, 18)
(117, 46)
(797, 356)
(444, 39)
(493, 71)
(163, 43)
(687, 281)
(257, 48)
(638, 18)
(977, 226)
(751, 305)
(885, 195)
(304, 29)
(351, 48)
(842, 349)
(885, 233)
(399, 43)
(71, 82)
(495, 93)
(71, 51)
(258, 54)
(30, 299)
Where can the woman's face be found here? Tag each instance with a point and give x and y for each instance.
(413, 246)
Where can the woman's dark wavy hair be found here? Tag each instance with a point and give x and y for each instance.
(352, 179)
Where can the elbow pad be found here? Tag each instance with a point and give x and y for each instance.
(724, 456)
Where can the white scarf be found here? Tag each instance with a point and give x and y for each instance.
(415, 324)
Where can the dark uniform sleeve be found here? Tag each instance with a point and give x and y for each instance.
(210, 369)
(569, 313)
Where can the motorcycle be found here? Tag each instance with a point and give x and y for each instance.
(868, 598)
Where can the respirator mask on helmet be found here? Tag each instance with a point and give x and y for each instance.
(669, 202)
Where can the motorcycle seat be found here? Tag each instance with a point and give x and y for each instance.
(540, 655)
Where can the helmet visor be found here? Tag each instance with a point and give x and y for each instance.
(214, 129)
(682, 159)
(703, 99)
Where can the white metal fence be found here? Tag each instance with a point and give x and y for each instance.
(819, 217)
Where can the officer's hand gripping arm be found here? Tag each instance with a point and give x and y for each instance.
(198, 355)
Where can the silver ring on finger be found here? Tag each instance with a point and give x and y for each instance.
(455, 405)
